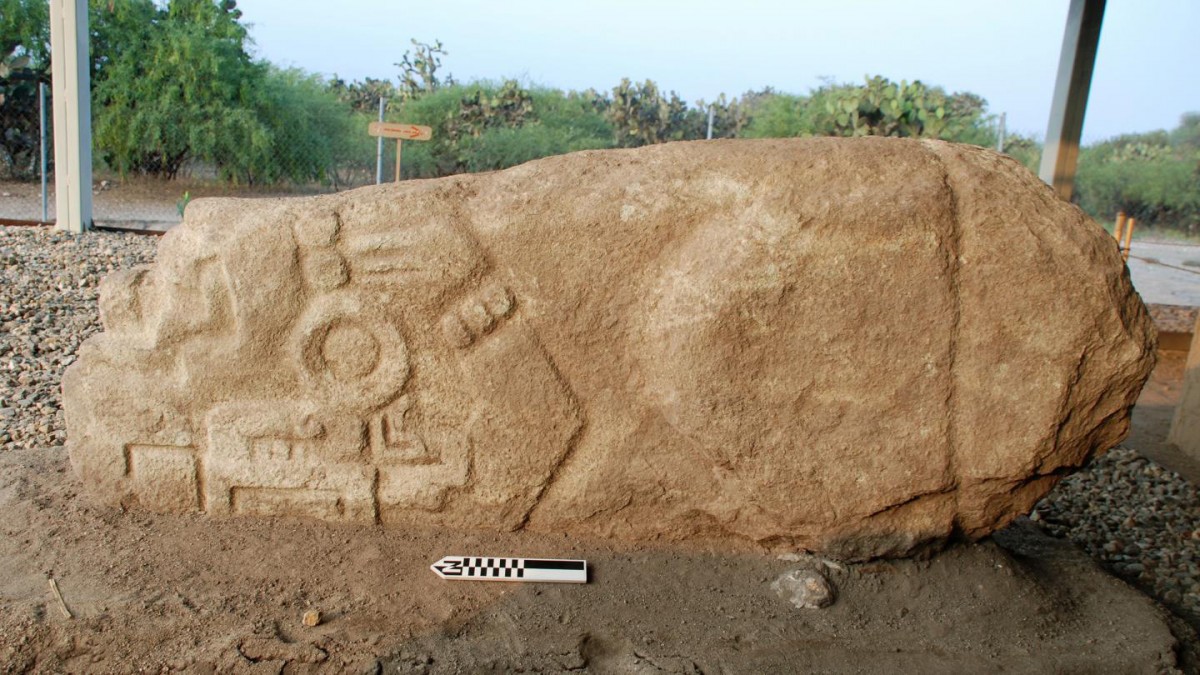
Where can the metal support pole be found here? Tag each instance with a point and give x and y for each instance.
(70, 72)
(398, 160)
(42, 140)
(710, 121)
(1075, 64)
(1000, 135)
(379, 149)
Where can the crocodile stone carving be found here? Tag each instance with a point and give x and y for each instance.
(862, 347)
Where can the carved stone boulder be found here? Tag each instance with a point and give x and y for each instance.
(861, 347)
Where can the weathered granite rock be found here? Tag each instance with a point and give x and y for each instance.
(805, 589)
(855, 346)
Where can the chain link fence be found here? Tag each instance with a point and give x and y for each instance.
(296, 161)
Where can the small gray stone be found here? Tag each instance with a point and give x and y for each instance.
(805, 589)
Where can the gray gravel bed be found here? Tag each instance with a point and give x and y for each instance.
(1138, 519)
(48, 289)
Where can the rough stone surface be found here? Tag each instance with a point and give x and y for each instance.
(805, 589)
(859, 347)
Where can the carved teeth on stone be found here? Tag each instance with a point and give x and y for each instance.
(479, 316)
(455, 332)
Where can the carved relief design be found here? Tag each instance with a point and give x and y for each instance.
(390, 443)
(308, 467)
(663, 342)
(324, 269)
(348, 353)
(164, 477)
(429, 257)
(423, 485)
(478, 316)
(526, 421)
(329, 425)
(314, 503)
(316, 228)
(121, 301)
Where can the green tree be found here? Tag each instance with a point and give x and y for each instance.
(1154, 177)
(174, 83)
(1023, 149)
(1186, 136)
(363, 96)
(730, 118)
(523, 124)
(303, 134)
(119, 32)
(510, 106)
(778, 115)
(24, 62)
(19, 116)
(25, 32)
(556, 123)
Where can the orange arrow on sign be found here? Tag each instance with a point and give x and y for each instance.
(408, 132)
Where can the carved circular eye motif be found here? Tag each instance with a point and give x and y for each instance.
(350, 353)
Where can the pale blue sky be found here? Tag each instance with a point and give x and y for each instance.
(1005, 51)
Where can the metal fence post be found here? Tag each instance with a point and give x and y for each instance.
(42, 138)
(379, 149)
(710, 121)
(1000, 139)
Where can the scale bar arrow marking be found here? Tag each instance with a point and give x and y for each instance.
(478, 568)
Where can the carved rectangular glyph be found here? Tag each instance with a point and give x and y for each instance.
(164, 477)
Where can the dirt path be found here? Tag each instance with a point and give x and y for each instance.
(1167, 273)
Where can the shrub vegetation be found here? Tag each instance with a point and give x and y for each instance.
(175, 89)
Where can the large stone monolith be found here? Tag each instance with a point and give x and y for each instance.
(860, 347)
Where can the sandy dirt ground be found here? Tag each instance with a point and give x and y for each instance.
(157, 593)
(153, 593)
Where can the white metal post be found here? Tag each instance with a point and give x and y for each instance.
(70, 70)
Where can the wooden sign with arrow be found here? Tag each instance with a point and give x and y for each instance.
(407, 132)
(401, 132)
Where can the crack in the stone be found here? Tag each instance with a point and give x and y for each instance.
(953, 248)
(901, 504)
